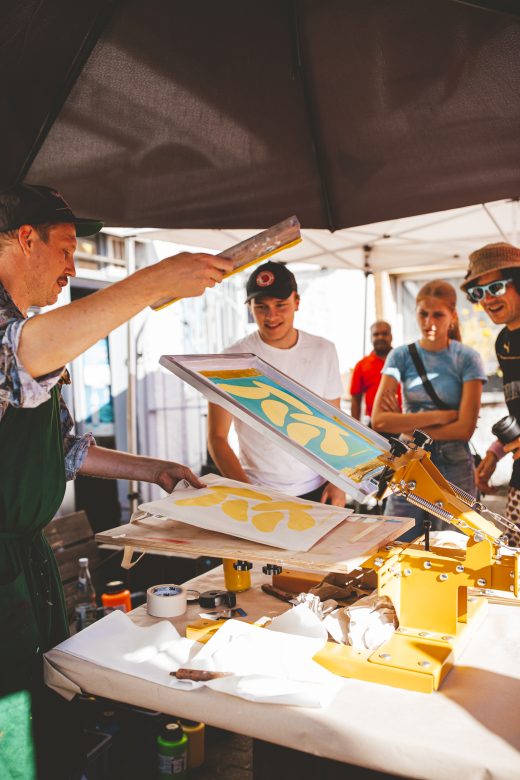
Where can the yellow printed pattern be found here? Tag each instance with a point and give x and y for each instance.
(254, 506)
(334, 441)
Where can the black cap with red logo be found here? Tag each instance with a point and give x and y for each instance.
(35, 204)
(271, 280)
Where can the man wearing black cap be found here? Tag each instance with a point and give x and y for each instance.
(37, 452)
(493, 282)
(272, 295)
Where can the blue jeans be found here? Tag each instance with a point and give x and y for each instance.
(455, 462)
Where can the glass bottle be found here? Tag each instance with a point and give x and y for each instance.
(85, 606)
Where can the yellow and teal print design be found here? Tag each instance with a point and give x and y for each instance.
(341, 447)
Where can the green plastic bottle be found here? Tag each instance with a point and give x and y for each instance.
(172, 752)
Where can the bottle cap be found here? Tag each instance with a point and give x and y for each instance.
(83, 561)
(172, 732)
(116, 586)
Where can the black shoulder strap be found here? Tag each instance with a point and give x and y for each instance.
(419, 365)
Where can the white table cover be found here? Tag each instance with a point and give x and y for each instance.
(469, 729)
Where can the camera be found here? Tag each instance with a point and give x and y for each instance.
(506, 430)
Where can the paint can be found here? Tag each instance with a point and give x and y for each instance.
(237, 574)
(196, 736)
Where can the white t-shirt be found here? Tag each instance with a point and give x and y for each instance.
(313, 362)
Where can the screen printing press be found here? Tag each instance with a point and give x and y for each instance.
(433, 589)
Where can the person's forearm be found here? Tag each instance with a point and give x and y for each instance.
(459, 430)
(496, 448)
(114, 464)
(226, 460)
(355, 407)
(397, 422)
(49, 341)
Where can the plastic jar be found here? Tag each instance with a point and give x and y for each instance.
(237, 575)
(172, 752)
(116, 596)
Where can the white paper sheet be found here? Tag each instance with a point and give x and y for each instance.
(266, 666)
(249, 512)
(117, 643)
(270, 666)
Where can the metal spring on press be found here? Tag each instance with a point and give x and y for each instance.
(468, 499)
(422, 503)
(474, 503)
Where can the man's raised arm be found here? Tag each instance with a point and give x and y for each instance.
(49, 341)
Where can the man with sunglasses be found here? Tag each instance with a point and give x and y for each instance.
(493, 281)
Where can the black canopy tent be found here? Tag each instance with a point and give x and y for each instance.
(176, 114)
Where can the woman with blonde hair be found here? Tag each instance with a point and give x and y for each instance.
(441, 381)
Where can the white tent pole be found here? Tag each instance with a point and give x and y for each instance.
(494, 221)
(515, 207)
(367, 249)
(131, 416)
(379, 295)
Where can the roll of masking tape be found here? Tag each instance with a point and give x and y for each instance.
(166, 601)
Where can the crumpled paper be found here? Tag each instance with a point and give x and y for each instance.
(273, 664)
(448, 539)
(365, 625)
(346, 588)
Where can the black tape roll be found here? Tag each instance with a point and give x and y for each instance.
(217, 598)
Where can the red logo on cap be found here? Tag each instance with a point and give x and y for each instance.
(265, 279)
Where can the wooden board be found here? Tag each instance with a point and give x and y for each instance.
(332, 553)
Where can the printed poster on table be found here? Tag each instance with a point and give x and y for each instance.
(257, 513)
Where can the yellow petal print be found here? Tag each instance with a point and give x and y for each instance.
(290, 399)
(300, 520)
(236, 508)
(284, 506)
(225, 491)
(267, 521)
(207, 500)
(333, 442)
(275, 411)
(302, 433)
(241, 391)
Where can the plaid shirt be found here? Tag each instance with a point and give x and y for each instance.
(20, 389)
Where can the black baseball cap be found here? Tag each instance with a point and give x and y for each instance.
(273, 280)
(34, 204)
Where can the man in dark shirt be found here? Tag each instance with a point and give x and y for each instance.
(493, 281)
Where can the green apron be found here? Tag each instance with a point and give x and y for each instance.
(32, 484)
(32, 606)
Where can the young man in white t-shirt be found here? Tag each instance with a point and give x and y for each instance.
(272, 296)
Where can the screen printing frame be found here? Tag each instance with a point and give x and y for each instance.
(189, 368)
